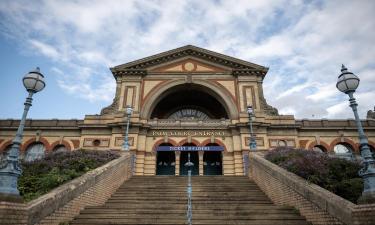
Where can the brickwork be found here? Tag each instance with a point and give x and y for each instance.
(65, 202)
(318, 205)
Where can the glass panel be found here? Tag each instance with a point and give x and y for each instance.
(318, 149)
(36, 151)
(342, 149)
(60, 148)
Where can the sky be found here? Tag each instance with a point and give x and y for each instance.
(75, 43)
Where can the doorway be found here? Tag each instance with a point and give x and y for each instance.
(194, 158)
(165, 162)
(212, 162)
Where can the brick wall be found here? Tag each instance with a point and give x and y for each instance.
(318, 205)
(65, 202)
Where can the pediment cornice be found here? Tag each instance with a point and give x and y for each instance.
(237, 66)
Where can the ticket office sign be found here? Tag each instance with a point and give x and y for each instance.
(190, 148)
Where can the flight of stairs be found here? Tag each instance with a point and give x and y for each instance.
(163, 200)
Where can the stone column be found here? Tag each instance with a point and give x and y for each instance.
(238, 163)
(200, 154)
(177, 167)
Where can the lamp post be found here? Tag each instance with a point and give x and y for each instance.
(189, 213)
(129, 111)
(253, 143)
(10, 169)
(348, 83)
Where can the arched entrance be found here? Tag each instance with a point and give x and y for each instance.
(212, 162)
(194, 158)
(165, 161)
(189, 102)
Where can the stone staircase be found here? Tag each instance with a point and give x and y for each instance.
(162, 200)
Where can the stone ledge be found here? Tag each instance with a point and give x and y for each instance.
(344, 210)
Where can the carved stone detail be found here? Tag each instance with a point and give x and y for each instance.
(113, 108)
(268, 110)
(371, 114)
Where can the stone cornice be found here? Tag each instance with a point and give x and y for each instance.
(240, 66)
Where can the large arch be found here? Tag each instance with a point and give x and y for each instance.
(347, 141)
(220, 94)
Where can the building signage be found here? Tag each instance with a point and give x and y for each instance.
(186, 133)
(189, 148)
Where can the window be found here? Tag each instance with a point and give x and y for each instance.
(342, 148)
(35, 151)
(282, 143)
(60, 148)
(319, 148)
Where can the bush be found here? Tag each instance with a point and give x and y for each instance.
(339, 176)
(42, 175)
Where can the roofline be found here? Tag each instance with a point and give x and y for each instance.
(189, 47)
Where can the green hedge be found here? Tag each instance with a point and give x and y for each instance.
(339, 176)
(41, 176)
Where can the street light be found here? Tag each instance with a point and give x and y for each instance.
(253, 143)
(129, 111)
(348, 83)
(9, 167)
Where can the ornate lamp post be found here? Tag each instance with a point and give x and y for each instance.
(348, 83)
(9, 167)
(189, 212)
(129, 111)
(252, 144)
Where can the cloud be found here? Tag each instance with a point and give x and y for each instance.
(303, 42)
(45, 49)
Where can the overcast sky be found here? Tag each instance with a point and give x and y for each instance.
(74, 43)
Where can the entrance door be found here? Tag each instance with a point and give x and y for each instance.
(165, 163)
(194, 158)
(212, 163)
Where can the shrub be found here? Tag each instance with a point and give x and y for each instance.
(41, 176)
(339, 176)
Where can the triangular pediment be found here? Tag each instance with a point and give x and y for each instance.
(189, 65)
(188, 59)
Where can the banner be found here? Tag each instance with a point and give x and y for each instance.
(190, 148)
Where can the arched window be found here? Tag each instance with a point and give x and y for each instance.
(282, 143)
(342, 148)
(34, 151)
(60, 148)
(319, 148)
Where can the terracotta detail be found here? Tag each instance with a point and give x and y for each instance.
(185, 141)
(75, 143)
(303, 143)
(170, 141)
(322, 143)
(189, 65)
(63, 142)
(5, 145)
(346, 141)
(32, 140)
(216, 141)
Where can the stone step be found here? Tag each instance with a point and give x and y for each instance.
(163, 200)
(183, 211)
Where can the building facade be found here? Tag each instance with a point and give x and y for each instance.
(187, 101)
